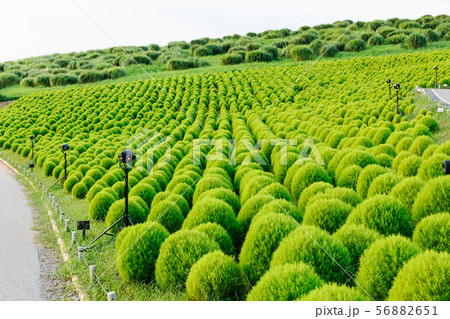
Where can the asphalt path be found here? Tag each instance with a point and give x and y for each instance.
(440, 95)
(19, 259)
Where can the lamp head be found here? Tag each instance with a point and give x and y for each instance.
(388, 81)
(126, 158)
(436, 68)
(446, 167)
(32, 137)
(65, 147)
(397, 86)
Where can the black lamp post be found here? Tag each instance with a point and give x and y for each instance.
(446, 167)
(388, 81)
(436, 82)
(126, 161)
(31, 165)
(397, 87)
(64, 148)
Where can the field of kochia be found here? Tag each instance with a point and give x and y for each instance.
(307, 184)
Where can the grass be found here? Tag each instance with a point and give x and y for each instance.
(102, 255)
(144, 72)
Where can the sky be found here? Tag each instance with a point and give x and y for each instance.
(38, 27)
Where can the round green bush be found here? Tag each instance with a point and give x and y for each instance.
(420, 144)
(346, 195)
(261, 241)
(280, 206)
(225, 194)
(409, 166)
(433, 198)
(95, 174)
(94, 190)
(231, 59)
(432, 166)
(384, 214)
(178, 253)
(367, 175)
(375, 40)
(207, 183)
(329, 51)
(88, 181)
(433, 232)
(276, 191)
(144, 191)
(215, 211)
(137, 249)
(315, 247)
(168, 214)
(79, 190)
(305, 176)
(383, 184)
(70, 183)
(250, 209)
(406, 191)
(100, 204)
(381, 262)
(301, 53)
(254, 186)
(48, 168)
(216, 276)
(423, 278)
(349, 177)
(285, 283)
(218, 234)
(137, 213)
(356, 238)
(415, 41)
(259, 56)
(355, 45)
(356, 157)
(399, 159)
(310, 191)
(329, 214)
(429, 122)
(334, 292)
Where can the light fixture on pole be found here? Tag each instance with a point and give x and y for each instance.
(388, 81)
(126, 160)
(65, 149)
(31, 165)
(397, 88)
(446, 167)
(436, 82)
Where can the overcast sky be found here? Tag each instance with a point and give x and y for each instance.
(38, 27)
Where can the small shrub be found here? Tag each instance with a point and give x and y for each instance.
(280, 206)
(381, 262)
(316, 248)
(420, 144)
(349, 177)
(355, 45)
(219, 235)
(329, 51)
(423, 278)
(409, 166)
(383, 214)
(433, 198)
(216, 211)
(367, 175)
(137, 249)
(307, 175)
(329, 214)
(138, 214)
(285, 283)
(383, 184)
(263, 238)
(301, 53)
(63, 79)
(227, 195)
(250, 209)
(406, 191)
(231, 59)
(334, 292)
(258, 56)
(90, 76)
(79, 190)
(310, 191)
(145, 191)
(375, 40)
(178, 253)
(99, 206)
(432, 166)
(432, 232)
(216, 276)
(415, 41)
(70, 183)
(168, 214)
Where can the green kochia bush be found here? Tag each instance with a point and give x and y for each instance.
(215, 211)
(433, 232)
(301, 53)
(79, 190)
(179, 252)
(314, 247)
(138, 214)
(70, 183)
(355, 45)
(356, 238)
(329, 214)
(218, 234)
(383, 214)
(227, 195)
(137, 249)
(406, 191)
(310, 191)
(280, 206)
(416, 40)
(305, 176)
(285, 283)
(433, 198)
(99, 206)
(168, 214)
(216, 276)
(334, 292)
(423, 278)
(263, 238)
(250, 209)
(383, 184)
(381, 262)
(432, 166)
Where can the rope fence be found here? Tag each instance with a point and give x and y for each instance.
(110, 295)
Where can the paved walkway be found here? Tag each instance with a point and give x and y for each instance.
(19, 261)
(439, 95)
